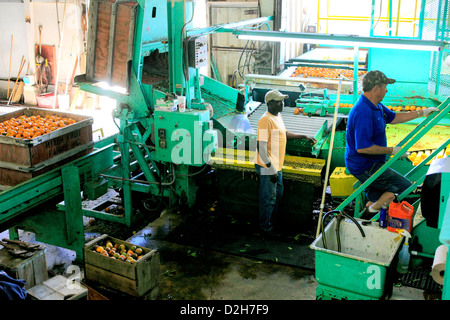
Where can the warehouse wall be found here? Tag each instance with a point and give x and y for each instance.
(19, 22)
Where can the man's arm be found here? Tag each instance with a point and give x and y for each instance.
(291, 135)
(406, 116)
(376, 150)
(262, 150)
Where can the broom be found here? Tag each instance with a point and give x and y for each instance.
(10, 58)
(327, 172)
(22, 63)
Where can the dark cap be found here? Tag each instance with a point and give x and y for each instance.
(373, 78)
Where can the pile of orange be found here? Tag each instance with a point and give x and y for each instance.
(323, 72)
(343, 105)
(30, 127)
(406, 108)
(119, 251)
(298, 110)
(417, 157)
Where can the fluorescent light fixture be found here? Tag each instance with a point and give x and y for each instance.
(336, 40)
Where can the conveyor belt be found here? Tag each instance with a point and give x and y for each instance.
(295, 168)
(295, 123)
(221, 106)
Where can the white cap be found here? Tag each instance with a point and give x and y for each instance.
(275, 95)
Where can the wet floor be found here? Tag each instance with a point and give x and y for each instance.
(207, 254)
(202, 273)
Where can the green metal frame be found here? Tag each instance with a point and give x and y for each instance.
(405, 144)
(444, 237)
(60, 225)
(137, 117)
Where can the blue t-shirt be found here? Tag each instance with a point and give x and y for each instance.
(366, 126)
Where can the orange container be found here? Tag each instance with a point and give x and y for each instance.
(400, 216)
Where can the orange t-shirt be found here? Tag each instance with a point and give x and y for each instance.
(271, 129)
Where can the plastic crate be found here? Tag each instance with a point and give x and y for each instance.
(47, 100)
(362, 268)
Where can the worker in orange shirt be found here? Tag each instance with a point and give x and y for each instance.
(269, 159)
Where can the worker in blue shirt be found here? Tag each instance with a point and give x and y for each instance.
(367, 149)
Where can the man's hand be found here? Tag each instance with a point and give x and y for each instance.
(274, 178)
(395, 150)
(426, 112)
(311, 139)
(268, 171)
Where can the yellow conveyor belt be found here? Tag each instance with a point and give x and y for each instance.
(295, 168)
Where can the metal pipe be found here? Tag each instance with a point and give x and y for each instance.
(372, 17)
(398, 17)
(340, 39)
(390, 17)
(421, 254)
(329, 154)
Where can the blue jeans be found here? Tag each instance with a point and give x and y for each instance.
(270, 194)
(390, 180)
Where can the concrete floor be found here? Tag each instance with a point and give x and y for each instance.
(213, 275)
(198, 273)
(205, 275)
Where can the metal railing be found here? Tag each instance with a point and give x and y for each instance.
(426, 125)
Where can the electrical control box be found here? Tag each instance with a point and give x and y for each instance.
(197, 52)
(184, 137)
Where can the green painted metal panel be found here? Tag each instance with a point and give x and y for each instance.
(363, 265)
(180, 136)
(410, 68)
(40, 189)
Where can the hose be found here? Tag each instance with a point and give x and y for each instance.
(338, 235)
(339, 216)
(323, 228)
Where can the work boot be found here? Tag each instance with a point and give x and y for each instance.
(368, 214)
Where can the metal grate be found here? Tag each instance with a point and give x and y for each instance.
(420, 279)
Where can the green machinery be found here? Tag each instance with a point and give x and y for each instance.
(35, 206)
(156, 59)
(162, 148)
(413, 87)
(318, 105)
(161, 152)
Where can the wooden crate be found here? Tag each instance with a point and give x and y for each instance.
(22, 159)
(58, 288)
(98, 292)
(134, 279)
(32, 269)
(111, 38)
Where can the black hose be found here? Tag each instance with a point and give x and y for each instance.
(338, 235)
(323, 227)
(355, 222)
(339, 217)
